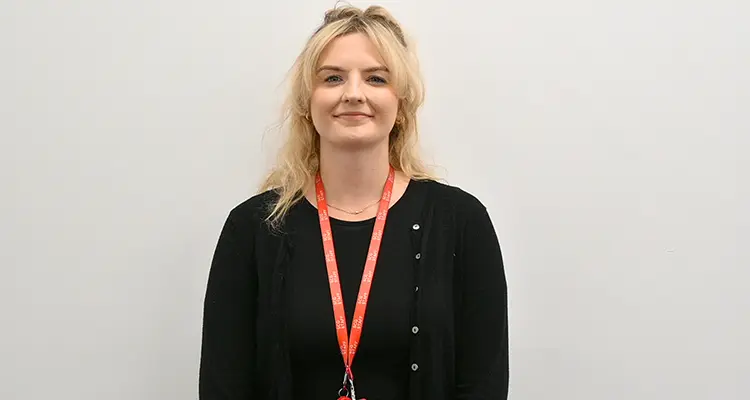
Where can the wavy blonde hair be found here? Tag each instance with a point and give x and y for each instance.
(299, 157)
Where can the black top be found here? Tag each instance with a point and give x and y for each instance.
(436, 325)
(381, 365)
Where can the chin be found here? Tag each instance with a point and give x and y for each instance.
(350, 138)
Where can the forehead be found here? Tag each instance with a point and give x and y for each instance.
(354, 50)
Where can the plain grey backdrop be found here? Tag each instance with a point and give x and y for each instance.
(609, 140)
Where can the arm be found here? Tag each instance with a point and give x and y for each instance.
(482, 365)
(228, 345)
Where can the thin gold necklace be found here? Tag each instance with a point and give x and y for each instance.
(355, 212)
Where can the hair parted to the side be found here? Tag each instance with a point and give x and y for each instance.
(298, 159)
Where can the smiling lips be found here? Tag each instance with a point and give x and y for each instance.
(353, 116)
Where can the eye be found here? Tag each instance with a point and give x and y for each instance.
(332, 79)
(377, 80)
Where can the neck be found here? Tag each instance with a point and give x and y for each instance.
(354, 178)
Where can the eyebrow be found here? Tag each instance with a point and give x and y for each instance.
(339, 69)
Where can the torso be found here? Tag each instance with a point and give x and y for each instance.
(382, 363)
(441, 220)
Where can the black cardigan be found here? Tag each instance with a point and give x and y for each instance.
(460, 303)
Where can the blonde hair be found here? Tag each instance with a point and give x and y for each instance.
(298, 159)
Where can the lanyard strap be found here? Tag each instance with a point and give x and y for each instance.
(348, 343)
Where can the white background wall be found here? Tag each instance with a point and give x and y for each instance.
(608, 138)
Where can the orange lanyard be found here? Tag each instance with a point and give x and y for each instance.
(348, 343)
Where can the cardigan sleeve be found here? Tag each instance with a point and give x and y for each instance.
(482, 362)
(228, 342)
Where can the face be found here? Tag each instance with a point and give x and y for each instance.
(353, 103)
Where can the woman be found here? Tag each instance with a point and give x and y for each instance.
(351, 221)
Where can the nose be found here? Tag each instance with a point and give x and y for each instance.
(353, 91)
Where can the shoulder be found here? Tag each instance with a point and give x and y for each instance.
(254, 210)
(462, 211)
(452, 197)
(456, 208)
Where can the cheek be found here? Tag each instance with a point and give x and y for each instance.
(387, 106)
(322, 102)
(321, 105)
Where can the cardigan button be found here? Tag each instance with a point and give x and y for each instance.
(414, 367)
(418, 256)
(415, 329)
(415, 227)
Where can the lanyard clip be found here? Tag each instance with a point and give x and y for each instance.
(353, 394)
(347, 391)
(344, 392)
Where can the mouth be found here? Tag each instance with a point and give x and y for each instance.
(353, 115)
